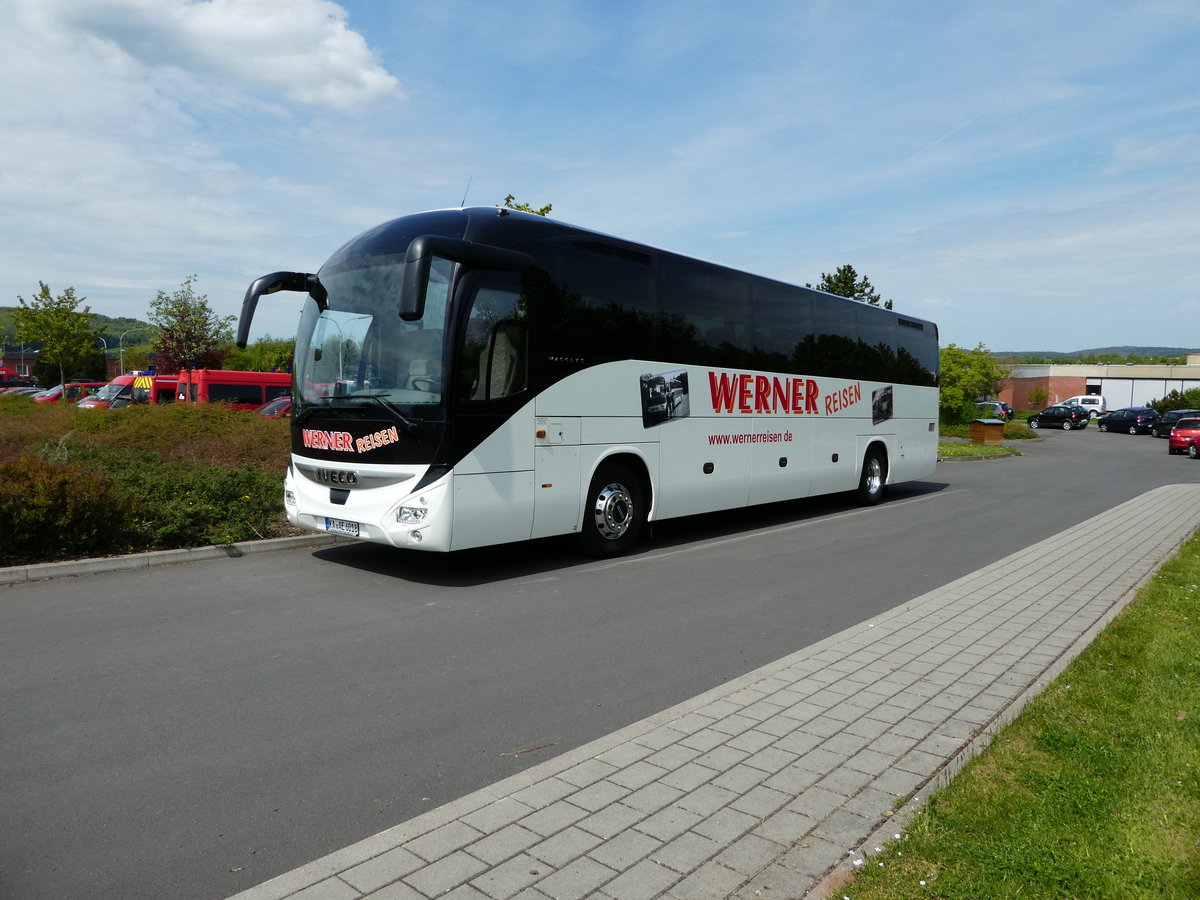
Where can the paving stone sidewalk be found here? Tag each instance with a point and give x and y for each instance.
(775, 784)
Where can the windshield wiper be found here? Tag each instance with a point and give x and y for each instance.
(410, 425)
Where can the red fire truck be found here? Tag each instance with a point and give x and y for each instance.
(131, 388)
(243, 390)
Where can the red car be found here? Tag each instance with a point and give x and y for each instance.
(1184, 436)
(74, 391)
(279, 408)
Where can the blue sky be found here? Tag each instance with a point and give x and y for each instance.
(1026, 174)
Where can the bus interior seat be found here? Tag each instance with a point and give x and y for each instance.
(499, 367)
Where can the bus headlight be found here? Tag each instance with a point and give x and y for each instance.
(412, 515)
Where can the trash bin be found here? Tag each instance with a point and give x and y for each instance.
(986, 431)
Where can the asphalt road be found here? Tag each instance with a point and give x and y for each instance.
(192, 730)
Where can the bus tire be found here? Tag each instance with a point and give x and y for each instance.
(614, 513)
(872, 484)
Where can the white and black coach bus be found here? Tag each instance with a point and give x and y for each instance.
(476, 376)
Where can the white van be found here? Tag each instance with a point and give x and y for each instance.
(1093, 403)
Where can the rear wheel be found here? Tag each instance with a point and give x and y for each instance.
(615, 512)
(1133, 429)
(1066, 424)
(872, 485)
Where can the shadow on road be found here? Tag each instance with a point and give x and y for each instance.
(487, 565)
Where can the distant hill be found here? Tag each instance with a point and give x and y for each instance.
(1098, 353)
(135, 330)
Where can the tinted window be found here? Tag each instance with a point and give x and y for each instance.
(235, 393)
(782, 318)
(597, 300)
(714, 302)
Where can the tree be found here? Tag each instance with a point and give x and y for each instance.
(66, 334)
(510, 203)
(845, 282)
(967, 376)
(192, 334)
(1176, 399)
(1038, 398)
(264, 355)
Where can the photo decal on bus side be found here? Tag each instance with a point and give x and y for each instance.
(665, 397)
(881, 405)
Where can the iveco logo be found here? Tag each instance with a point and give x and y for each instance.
(337, 476)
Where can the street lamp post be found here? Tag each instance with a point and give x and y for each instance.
(121, 344)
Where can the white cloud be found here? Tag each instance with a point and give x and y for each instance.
(963, 157)
(1135, 154)
(302, 50)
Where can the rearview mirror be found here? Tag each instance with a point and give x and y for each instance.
(420, 256)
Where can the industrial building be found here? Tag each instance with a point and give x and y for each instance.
(1120, 385)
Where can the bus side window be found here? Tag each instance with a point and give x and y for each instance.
(502, 365)
(492, 356)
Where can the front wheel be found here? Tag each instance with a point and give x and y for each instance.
(1193, 451)
(1102, 426)
(615, 512)
(872, 485)
(1033, 423)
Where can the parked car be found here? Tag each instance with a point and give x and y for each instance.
(1060, 416)
(1131, 419)
(1093, 403)
(1184, 436)
(1162, 428)
(74, 391)
(279, 408)
(995, 409)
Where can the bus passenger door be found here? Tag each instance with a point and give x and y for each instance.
(493, 455)
(557, 474)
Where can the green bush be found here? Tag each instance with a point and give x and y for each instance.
(177, 503)
(1189, 399)
(80, 483)
(53, 512)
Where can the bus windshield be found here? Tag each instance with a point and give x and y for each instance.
(359, 351)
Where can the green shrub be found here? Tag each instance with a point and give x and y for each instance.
(177, 503)
(1189, 399)
(52, 512)
(135, 479)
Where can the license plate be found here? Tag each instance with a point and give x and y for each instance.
(341, 526)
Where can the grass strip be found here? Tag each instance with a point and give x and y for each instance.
(1093, 791)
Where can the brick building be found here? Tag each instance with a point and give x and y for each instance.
(1119, 385)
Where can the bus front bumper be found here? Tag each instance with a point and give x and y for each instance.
(419, 520)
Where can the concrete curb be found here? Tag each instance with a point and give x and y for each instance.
(43, 571)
